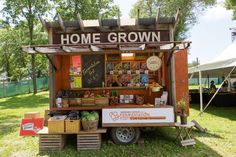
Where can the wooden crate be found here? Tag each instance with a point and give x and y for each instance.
(29, 115)
(49, 142)
(88, 141)
(72, 126)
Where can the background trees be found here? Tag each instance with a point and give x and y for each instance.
(20, 25)
(190, 9)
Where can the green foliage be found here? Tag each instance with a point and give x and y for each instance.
(181, 104)
(88, 9)
(188, 17)
(193, 64)
(21, 16)
(231, 5)
(12, 59)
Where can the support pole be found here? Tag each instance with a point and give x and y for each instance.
(217, 91)
(200, 88)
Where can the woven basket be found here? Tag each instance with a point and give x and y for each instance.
(90, 125)
(102, 101)
(75, 101)
(88, 102)
(72, 126)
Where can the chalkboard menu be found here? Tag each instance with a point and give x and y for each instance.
(93, 71)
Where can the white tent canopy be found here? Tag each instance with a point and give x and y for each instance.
(220, 66)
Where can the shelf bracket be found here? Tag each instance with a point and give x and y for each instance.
(52, 63)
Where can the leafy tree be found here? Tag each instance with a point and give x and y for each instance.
(193, 64)
(26, 10)
(188, 17)
(231, 5)
(88, 9)
(12, 61)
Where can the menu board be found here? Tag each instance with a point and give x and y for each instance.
(93, 71)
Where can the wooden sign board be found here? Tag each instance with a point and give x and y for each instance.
(139, 116)
(93, 71)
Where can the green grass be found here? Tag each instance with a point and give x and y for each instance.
(220, 139)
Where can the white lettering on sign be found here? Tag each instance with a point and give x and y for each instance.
(112, 37)
(96, 37)
(65, 40)
(85, 38)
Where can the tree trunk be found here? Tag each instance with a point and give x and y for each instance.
(33, 74)
(31, 29)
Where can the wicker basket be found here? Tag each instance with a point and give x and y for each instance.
(102, 101)
(90, 125)
(75, 101)
(72, 126)
(56, 124)
(88, 102)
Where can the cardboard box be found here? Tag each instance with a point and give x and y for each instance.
(72, 126)
(56, 124)
(29, 115)
(46, 117)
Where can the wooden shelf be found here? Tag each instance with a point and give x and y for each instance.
(111, 88)
(99, 130)
(76, 108)
(112, 106)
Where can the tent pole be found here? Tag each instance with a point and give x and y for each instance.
(200, 88)
(217, 90)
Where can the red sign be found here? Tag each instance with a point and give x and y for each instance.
(30, 127)
(76, 61)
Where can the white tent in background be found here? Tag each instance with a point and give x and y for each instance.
(222, 65)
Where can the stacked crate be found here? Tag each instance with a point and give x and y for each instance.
(50, 142)
(88, 141)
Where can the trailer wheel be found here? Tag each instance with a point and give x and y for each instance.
(125, 135)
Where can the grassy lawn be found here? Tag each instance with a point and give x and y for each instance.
(220, 139)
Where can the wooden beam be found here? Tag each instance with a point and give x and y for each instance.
(61, 22)
(28, 50)
(157, 16)
(95, 48)
(52, 63)
(100, 20)
(167, 46)
(81, 24)
(141, 47)
(137, 20)
(75, 49)
(43, 22)
(118, 19)
(46, 50)
(176, 18)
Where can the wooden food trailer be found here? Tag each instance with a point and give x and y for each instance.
(130, 70)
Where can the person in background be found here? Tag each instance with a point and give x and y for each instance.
(212, 87)
(225, 85)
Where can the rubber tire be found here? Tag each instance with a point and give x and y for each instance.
(117, 141)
